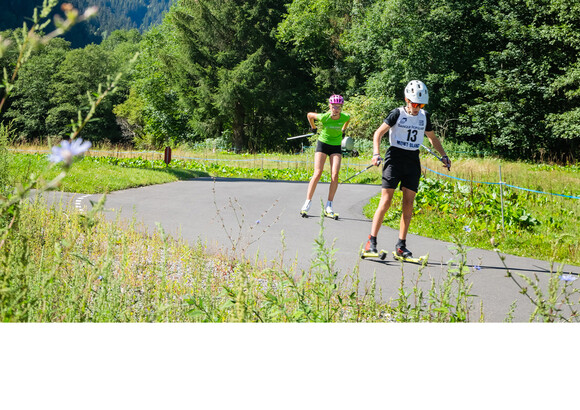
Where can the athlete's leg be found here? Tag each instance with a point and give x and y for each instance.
(384, 205)
(319, 159)
(334, 160)
(407, 212)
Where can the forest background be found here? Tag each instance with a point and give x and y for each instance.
(503, 75)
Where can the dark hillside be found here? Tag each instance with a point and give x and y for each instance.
(113, 15)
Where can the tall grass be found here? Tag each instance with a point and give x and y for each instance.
(63, 266)
(59, 265)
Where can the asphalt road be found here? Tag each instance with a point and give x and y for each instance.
(255, 218)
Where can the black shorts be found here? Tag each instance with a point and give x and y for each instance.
(401, 166)
(328, 149)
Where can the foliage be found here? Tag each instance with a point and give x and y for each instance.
(313, 29)
(153, 111)
(233, 76)
(503, 75)
(30, 100)
(53, 84)
(471, 214)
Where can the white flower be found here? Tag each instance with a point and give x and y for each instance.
(68, 150)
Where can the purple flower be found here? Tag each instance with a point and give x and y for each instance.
(477, 267)
(68, 150)
(568, 277)
(467, 228)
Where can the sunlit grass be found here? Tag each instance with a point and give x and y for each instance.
(90, 178)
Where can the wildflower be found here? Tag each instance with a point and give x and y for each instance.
(467, 228)
(257, 222)
(100, 278)
(68, 150)
(477, 267)
(568, 277)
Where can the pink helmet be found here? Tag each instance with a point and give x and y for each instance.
(336, 99)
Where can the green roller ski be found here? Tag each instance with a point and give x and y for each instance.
(420, 260)
(332, 215)
(382, 254)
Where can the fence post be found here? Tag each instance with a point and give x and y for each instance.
(167, 156)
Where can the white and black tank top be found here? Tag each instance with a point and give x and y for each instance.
(407, 131)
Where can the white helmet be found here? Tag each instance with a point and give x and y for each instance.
(416, 91)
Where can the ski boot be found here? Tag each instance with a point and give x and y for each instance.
(370, 250)
(401, 253)
(329, 212)
(305, 208)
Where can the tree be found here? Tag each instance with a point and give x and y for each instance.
(30, 100)
(80, 73)
(313, 28)
(232, 75)
(153, 111)
(392, 42)
(526, 81)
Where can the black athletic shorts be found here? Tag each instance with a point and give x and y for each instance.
(401, 166)
(328, 149)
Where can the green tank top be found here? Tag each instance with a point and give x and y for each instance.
(331, 130)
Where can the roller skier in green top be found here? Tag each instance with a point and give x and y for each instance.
(333, 124)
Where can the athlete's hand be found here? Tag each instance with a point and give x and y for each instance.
(377, 160)
(446, 162)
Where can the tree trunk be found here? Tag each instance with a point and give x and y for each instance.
(238, 127)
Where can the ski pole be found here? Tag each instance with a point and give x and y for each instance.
(300, 136)
(436, 156)
(360, 172)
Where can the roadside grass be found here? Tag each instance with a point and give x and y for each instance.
(545, 177)
(90, 178)
(536, 226)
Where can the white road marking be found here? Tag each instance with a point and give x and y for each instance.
(78, 203)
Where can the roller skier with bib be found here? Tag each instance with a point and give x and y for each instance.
(407, 127)
(333, 124)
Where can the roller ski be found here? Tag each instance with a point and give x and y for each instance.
(382, 254)
(370, 250)
(305, 208)
(329, 212)
(401, 253)
(332, 215)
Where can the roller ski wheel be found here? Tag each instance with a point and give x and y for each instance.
(367, 254)
(304, 214)
(332, 215)
(420, 260)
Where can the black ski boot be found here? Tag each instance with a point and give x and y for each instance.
(401, 253)
(401, 250)
(371, 246)
(370, 249)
